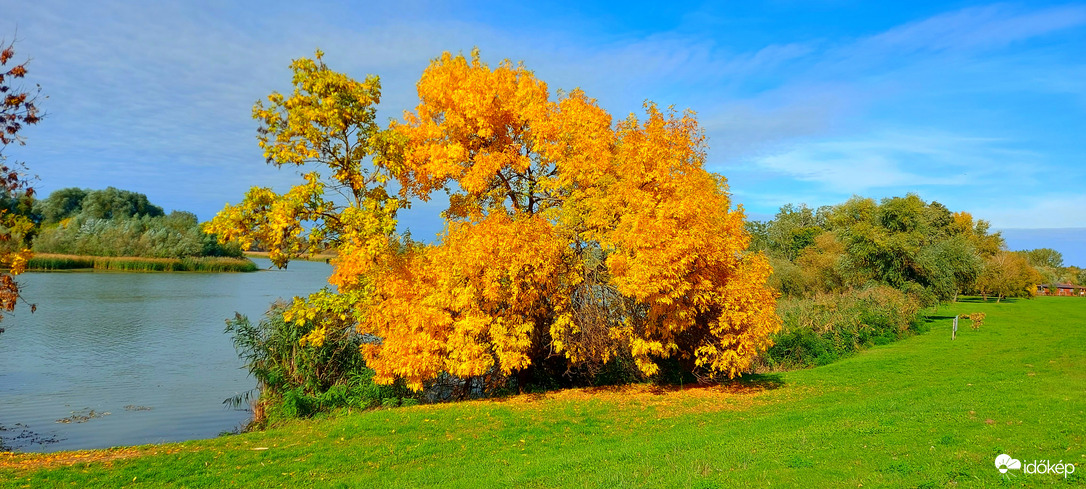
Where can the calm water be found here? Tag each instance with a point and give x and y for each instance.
(146, 348)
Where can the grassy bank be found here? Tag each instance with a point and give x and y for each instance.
(922, 412)
(50, 262)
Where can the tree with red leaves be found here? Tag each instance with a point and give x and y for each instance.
(18, 109)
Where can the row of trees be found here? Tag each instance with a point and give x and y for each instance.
(112, 222)
(862, 272)
(111, 203)
(1049, 263)
(914, 246)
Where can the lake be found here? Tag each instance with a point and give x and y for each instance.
(115, 359)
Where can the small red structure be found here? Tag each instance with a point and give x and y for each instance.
(1066, 290)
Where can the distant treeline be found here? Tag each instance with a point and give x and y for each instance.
(861, 272)
(113, 223)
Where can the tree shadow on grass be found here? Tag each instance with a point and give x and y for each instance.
(991, 300)
(766, 382)
(747, 384)
(932, 319)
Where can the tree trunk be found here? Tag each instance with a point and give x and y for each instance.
(524, 375)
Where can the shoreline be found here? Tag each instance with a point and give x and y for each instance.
(51, 262)
(318, 257)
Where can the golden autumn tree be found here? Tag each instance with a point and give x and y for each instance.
(1008, 274)
(571, 239)
(987, 244)
(326, 129)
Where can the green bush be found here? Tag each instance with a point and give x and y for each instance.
(826, 327)
(298, 381)
(177, 235)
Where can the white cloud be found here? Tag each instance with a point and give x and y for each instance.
(890, 158)
(984, 27)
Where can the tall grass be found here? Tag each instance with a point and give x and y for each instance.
(296, 379)
(48, 262)
(822, 329)
(42, 261)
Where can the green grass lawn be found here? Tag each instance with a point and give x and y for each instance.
(922, 412)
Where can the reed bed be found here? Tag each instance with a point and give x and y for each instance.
(48, 262)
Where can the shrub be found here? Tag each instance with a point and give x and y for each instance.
(823, 328)
(176, 235)
(297, 376)
(976, 319)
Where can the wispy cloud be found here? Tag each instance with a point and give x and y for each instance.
(902, 159)
(829, 83)
(984, 27)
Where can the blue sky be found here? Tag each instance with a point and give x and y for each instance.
(979, 106)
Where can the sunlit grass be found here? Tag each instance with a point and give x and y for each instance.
(52, 262)
(926, 411)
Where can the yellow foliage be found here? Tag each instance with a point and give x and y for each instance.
(14, 260)
(549, 193)
(314, 338)
(977, 233)
(327, 122)
(567, 234)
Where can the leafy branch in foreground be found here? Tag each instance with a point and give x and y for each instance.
(18, 109)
